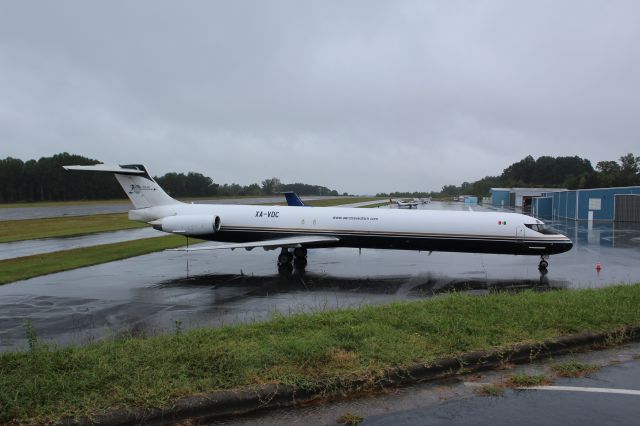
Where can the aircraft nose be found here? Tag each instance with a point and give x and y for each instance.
(567, 244)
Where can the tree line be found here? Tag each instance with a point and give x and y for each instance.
(45, 180)
(556, 172)
(551, 172)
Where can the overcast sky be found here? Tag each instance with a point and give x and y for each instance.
(360, 96)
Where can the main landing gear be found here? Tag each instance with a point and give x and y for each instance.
(298, 256)
(543, 265)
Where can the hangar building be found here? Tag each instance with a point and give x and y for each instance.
(517, 197)
(603, 204)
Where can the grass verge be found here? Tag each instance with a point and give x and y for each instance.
(30, 229)
(22, 268)
(63, 203)
(306, 351)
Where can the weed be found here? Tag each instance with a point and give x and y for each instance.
(525, 380)
(32, 335)
(350, 419)
(489, 390)
(574, 369)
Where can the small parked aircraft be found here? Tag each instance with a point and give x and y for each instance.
(294, 229)
(407, 204)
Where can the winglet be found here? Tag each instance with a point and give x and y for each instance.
(294, 200)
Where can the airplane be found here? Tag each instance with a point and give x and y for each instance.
(294, 230)
(407, 204)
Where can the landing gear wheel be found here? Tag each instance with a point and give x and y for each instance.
(284, 257)
(543, 265)
(300, 262)
(285, 269)
(300, 252)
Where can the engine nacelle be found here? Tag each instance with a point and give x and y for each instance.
(189, 224)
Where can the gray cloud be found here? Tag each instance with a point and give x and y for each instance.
(361, 96)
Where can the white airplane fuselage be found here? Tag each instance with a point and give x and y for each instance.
(428, 230)
(287, 227)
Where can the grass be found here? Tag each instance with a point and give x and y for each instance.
(63, 203)
(350, 419)
(21, 268)
(574, 369)
(521, 380)
(311, 350)
(489, 390)
(30, 229)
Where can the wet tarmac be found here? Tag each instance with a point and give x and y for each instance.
(48, 245)
(20, 213)
(148, 294)
(453, 401)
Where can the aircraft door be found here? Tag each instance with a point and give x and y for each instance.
(520, 232)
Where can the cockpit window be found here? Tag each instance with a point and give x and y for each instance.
(541, 228)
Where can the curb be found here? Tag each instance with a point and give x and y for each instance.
(235, 402)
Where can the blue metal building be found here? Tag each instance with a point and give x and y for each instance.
(500, 197)
(517, 197)
(599, 204)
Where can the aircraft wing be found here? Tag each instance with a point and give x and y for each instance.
(268, 244)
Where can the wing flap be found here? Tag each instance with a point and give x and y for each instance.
(269, 244)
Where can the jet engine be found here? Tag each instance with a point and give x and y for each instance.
(188, 224)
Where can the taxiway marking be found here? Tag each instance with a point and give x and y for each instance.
(586, 389)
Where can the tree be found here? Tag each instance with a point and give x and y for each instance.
(629, 170)
(271, 186)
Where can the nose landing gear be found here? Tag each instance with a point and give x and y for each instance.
(543, 265)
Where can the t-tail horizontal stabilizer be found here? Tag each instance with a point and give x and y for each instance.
(140, 187)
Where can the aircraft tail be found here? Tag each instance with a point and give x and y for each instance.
(140, 187)
(294, 200)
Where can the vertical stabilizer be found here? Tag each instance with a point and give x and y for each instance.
(140, 187)
(294, 200)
